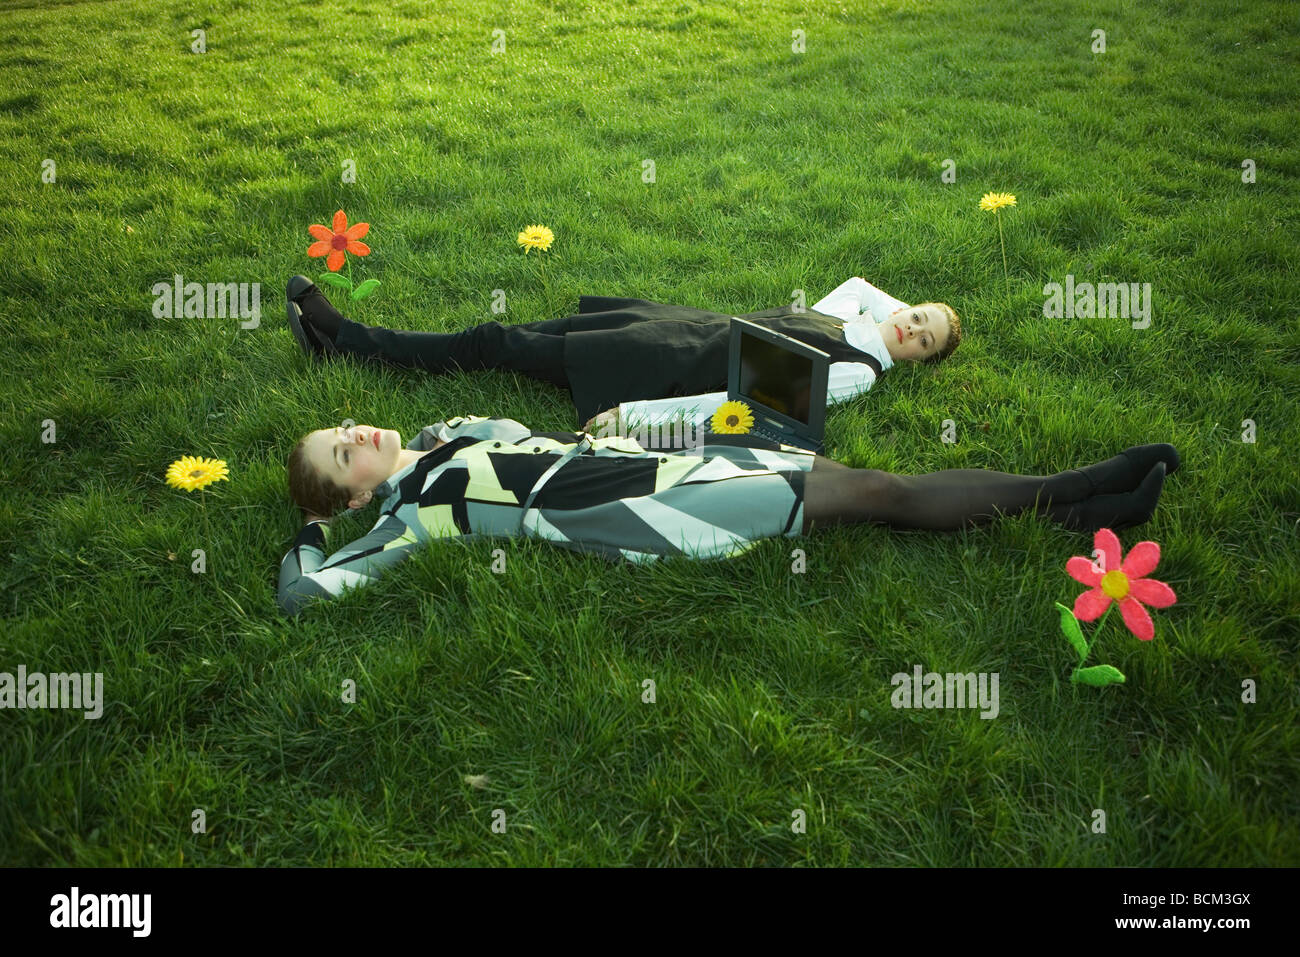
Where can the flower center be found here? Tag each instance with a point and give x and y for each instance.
(339, 241)
(1115, 584)
(196, 473)
(733, 420)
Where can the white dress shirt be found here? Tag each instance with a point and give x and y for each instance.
(861, 305)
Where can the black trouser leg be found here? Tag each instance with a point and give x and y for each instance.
(490, 345)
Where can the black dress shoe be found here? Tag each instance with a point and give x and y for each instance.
(305, 335)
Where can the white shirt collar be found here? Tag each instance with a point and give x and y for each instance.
(863, 334)
(861, 306)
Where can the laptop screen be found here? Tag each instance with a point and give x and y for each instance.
(775, 377)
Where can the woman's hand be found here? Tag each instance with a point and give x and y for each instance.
(605, 420)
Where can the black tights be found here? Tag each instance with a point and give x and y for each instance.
(956, 498)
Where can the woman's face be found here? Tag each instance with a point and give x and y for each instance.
(360, 458)
(915, 333)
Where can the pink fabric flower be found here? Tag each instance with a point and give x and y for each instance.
(1121, 582)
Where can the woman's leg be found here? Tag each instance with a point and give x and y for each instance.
(822, 464)
(489, 345)
(958, 498)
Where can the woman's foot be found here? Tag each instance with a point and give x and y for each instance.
(1123, 472)
(1114, 511)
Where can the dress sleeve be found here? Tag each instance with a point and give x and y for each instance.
(495, 428)
(305, 573)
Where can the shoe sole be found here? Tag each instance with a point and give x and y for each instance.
(296, 287)
(294, 315)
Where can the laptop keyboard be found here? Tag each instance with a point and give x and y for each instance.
(772, 435)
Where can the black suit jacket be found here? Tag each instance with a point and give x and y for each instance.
(621, 350)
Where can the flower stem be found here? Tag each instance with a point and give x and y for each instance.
(1005, 275)
(1097, 631)
(546, 288)
(207, 535)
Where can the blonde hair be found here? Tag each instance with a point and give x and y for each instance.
(954, 330)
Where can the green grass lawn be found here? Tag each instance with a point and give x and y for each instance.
(774, 171)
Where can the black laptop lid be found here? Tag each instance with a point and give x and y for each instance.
(781, 379)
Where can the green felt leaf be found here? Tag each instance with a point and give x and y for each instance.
(1070, 628)
(365, 289)
(1098, 676)
(334, 279)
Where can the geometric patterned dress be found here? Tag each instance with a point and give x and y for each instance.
(609, 496)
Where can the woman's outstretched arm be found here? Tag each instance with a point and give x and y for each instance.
(856, 295)
(305, 574)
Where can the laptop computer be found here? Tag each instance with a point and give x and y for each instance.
(782, 380)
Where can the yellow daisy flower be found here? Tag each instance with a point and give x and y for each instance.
(190, 473)
(536, 237)
(732, 417)
(995, 201)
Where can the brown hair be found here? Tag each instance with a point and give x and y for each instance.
(312, 491)
(954, 331)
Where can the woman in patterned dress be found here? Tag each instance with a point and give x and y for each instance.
(493, 477)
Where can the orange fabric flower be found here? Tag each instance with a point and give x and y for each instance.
(338, 241)
(1122, 582)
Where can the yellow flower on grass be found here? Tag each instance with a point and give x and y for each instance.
(995, 201)
(732, 417)
(536, 237)
(189, 473)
